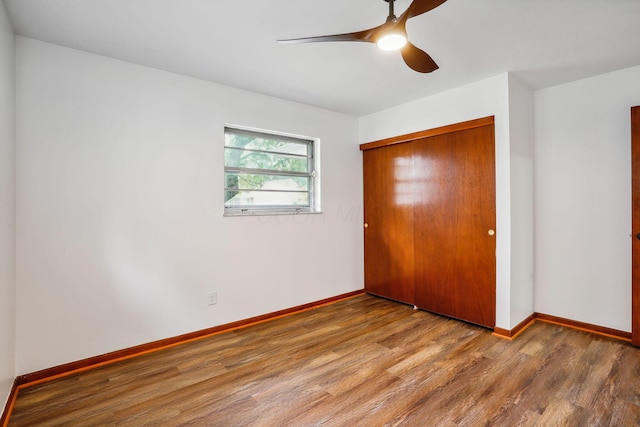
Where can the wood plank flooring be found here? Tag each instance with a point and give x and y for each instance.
(364, 361)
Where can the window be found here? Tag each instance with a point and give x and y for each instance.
(267, 173)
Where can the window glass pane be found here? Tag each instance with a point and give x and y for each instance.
(266, 198)
(266, 173)
(248, 181)
(250, 142)
(268, 161)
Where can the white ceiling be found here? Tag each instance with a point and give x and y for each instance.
(233, 42)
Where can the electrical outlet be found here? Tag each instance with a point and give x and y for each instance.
(212, 298)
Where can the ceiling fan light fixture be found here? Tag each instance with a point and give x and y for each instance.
(392, 41)
(391, 35)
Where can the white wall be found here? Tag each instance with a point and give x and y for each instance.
(120, 227)
(119, 202)
(521, 138)
(583, 199)
(485, 98)
(7, 205)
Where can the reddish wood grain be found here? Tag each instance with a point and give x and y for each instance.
(429, 200)
(388, 216)
(455, 207)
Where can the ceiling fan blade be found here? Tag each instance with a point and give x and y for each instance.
(417, 59)
(358, 36)
(418, 7)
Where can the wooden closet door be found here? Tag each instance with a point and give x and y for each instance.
(388, 216)
(454, 218)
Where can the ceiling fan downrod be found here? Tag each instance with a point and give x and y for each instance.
(392, 16)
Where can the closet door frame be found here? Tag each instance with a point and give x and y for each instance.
(470, 124)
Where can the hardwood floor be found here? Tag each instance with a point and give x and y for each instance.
(364, 361)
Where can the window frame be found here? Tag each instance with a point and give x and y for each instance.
(312, 175)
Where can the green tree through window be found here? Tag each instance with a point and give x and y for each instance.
(268, 172)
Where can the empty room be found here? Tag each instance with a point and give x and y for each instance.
(304, 213)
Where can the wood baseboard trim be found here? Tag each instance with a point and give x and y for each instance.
(511, 334)
(55, 372)
(568, 323)
(586, 327)
(8, 407)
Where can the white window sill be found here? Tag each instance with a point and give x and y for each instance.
(269, 212)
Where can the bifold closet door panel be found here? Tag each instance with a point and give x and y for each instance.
(388, 221)
(454, 219)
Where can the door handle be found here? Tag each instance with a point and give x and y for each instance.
(638, 236)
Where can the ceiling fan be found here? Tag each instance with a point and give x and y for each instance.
(392, 35)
